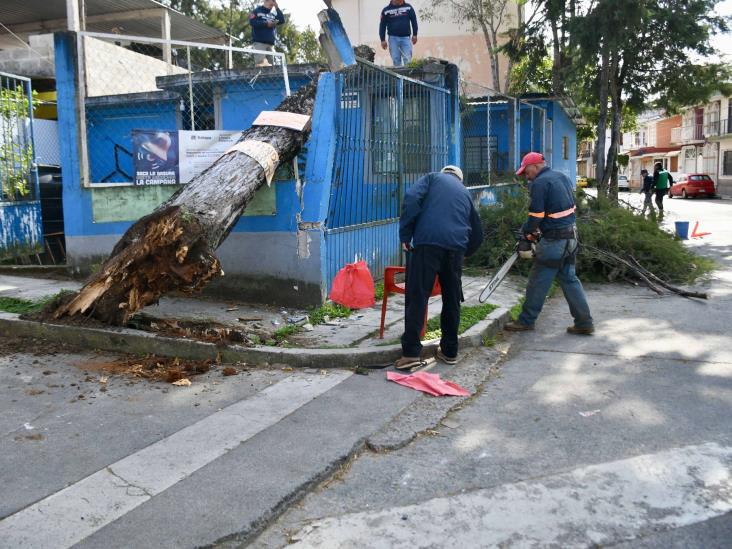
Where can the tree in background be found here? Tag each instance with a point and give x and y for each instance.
(622, 56)
(232, 17)
(492, 18)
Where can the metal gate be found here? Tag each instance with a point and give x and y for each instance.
(391, 130)
(20, 209)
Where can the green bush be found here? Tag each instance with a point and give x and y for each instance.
(602, 225)
(500, 223)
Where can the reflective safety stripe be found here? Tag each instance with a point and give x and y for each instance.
(540, 214)
(565, 213)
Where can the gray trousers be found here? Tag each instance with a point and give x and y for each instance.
(258, 57)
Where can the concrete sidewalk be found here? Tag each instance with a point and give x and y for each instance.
(598, 440)
(260, 324)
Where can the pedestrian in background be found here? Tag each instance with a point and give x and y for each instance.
(264, 29)
(662, 181)
(552, 222)
(439, 226)
(647, 189)
(400, 19)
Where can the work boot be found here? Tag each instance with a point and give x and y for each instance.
(515, 326)
(444, 358)
(580, 331)
(407, 362)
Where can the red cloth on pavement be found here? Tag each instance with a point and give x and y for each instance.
(429, 383)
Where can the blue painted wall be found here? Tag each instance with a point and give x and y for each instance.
(21, 230)
(475, 124)
(111, 123)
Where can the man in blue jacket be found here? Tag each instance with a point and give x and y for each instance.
(438, 228)
(400, 19)
(552, 223)
(264, 24)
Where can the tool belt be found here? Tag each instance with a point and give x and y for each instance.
(561, 234)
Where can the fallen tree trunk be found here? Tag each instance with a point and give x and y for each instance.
(172, 249)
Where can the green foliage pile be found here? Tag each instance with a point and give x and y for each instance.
(500, 223)
(603, 225)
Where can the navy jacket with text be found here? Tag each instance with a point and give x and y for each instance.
(438, 211)
(398, 20)
(261, 31)
(552, 202)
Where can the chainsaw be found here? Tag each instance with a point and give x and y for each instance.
(525, 249)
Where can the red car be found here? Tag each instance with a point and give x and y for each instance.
(693, 184)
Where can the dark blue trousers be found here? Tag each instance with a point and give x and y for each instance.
(423, 264)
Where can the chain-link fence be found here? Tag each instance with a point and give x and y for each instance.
(497, 131)
(17, 174)
(144, 96)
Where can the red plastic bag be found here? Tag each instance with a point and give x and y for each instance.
(353, 286)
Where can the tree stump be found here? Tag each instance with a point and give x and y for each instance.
(172, 249)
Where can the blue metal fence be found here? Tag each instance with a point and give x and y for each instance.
(20, 209)
(391, 130)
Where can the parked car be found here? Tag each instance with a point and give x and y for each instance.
(623, 183)
(694, 184)
(581, 182)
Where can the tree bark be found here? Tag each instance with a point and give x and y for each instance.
(616, 111)
(172, 249)
(602, 121)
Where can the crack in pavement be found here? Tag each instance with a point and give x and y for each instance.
(128, 485)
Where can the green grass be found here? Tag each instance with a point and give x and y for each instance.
(331, 310)
(469, 317)
(379, 291)
(23, 306)
(316, 316)
(516, 309)
(283, 333)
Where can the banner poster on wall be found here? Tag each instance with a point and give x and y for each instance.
(155, 155)
(198, 150)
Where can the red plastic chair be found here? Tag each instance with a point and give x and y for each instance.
(392, 287)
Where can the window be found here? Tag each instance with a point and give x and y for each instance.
(727, 163)
(417, 134)
(565, 147)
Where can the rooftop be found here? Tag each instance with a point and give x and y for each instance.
(129, 17)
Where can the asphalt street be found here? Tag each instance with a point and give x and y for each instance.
(622, 438)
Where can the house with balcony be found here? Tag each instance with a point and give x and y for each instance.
(649, 144)
(719, 137)
(705, 140)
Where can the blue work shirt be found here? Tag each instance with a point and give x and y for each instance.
(259, 19)
(551, 193)
(399, 20)
(438, 211)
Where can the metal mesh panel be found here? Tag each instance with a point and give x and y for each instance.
(497, 131)
(135, 85)
(17, 174)
(390, 132)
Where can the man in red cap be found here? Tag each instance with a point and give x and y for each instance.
(551, 223)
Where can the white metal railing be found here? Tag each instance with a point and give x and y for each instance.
(135, 73)
(694, 132)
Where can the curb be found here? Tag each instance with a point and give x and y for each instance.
(136, 342)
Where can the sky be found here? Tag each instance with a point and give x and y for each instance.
(305, 12)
